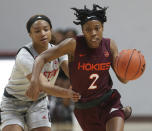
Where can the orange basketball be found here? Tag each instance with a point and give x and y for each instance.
(130, 64)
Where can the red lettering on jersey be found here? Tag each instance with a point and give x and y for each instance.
(87, 66)
(54, 73)
(50, 74)
(44, 117)
(94, 67)
(80, 66)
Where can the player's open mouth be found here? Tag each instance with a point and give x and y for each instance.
(43, 40)
(94, 40)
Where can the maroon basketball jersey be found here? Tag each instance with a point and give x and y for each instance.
(89, 71)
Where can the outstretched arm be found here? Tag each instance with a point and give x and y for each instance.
(65, 47)
(52, 90)
(114, 51)
(61, 92)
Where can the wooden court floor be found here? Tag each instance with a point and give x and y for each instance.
(129, 126)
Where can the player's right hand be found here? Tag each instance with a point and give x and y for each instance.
(75, 97)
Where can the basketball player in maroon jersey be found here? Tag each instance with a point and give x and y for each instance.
(90, 57)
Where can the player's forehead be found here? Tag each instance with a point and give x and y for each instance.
(40, 23)
(92, 23)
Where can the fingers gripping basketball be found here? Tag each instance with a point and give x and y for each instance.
(130, 64)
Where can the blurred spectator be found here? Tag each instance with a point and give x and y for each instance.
(71, 32)
(62, 112)
(59, 36)
(61, 109)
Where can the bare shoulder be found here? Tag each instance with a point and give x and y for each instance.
(113, 48)
(113, 45)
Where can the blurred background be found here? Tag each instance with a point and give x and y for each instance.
(128, 23)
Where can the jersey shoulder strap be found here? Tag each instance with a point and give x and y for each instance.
(28, 47)
(31, 50)
(53, 46)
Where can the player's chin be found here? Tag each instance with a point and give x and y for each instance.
(45, 42)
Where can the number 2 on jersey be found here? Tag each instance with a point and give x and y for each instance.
(92, 86)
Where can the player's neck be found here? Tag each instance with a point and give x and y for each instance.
(39, 49)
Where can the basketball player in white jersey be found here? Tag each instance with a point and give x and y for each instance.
(17, 108)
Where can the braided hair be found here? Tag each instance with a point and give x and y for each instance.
(84, 15)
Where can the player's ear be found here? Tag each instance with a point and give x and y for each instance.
(102, 27)
(82, 29)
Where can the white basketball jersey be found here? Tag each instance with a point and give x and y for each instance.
(18, 83)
